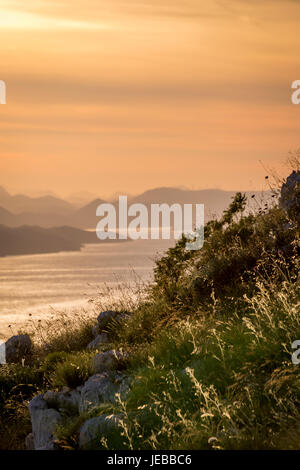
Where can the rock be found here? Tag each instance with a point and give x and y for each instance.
(64, 400)
(102, 388)
(93, 429)
(95, 330)
(290, 195)
(108, 360)
(98, 341)
(104, 318)
(17, 348)
(37, 403)
(29, 442)
(43, 420)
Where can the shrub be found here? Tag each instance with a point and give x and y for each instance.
(226, 384)
(65, 332)
(17, 386)
(73, 371)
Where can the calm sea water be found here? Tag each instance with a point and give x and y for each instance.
(37, 284)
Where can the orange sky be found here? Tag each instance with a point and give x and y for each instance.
(127, 95)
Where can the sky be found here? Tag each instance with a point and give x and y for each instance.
(126, 95)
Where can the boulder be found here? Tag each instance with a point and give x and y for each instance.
(104, 318)
(44, 421)
(98, 341)
(101, 388)
(93, 429)
(290, 195)
(95, 330)
(108, 360)
(64, 400)
(17, 348)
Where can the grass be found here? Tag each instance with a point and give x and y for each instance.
(209, 342)
(65, 331)
(228, 384)
(218, 383)
(17, 385)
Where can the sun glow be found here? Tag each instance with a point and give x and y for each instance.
(18, 20)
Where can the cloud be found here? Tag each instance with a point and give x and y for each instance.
(93, 10)
(82, 91)
(95, 14)
(11, 19)
(32, 15)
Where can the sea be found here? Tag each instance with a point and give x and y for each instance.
(33, 287)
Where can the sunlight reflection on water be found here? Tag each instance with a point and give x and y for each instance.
(33, 283)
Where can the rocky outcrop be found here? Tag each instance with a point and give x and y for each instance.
(102, 388)
(108, 360)
(104, 318)
(18, 348)
(290, 195)
(107, 317)
(44, 421)
(64, 400)
(95, 330)
(95, 428)
(100, 331)
(47, 410)
(98, 341)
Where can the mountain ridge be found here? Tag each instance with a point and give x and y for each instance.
(48, 211)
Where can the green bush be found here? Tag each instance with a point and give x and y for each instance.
(235, 249)
(228, 384)
(17, 386)
(73, 371)
(53, 359)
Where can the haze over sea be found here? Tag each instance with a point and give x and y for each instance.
(44, 283)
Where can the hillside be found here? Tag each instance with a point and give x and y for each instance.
(33, 239)
(203, 358)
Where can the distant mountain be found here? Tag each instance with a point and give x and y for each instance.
(32, 239)
(215, 200)
(20, 203)
(38, 193)
(81, 198)
(6, 217)
(42, 219)
(52, 212)
(3, 193)
(85, 217)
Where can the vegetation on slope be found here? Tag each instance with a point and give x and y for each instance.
(210, 346)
